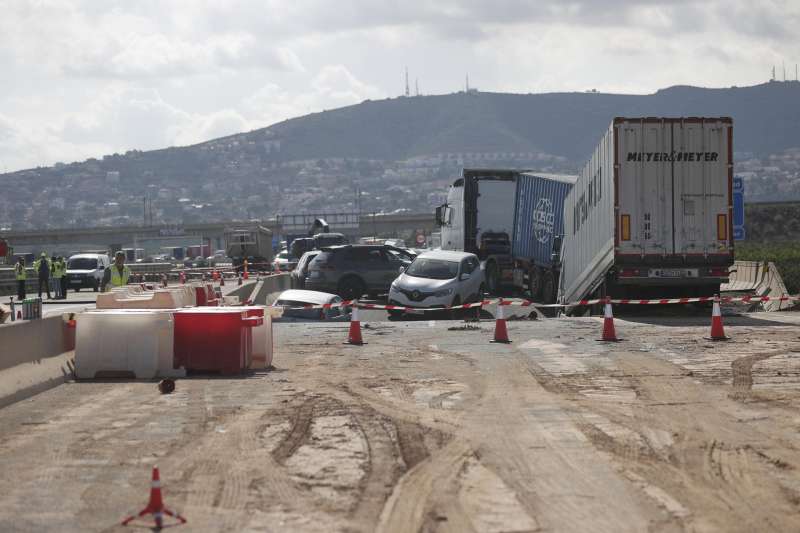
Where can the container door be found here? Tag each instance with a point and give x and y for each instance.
(702, 224)
(495, 207)
(645, 188)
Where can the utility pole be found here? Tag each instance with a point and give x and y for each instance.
(408, 92)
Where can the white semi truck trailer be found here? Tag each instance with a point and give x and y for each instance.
(650, 214)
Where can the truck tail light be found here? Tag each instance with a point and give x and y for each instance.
(625, 227)
(722, 227)
(629, 272)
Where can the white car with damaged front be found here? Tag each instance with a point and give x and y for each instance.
(438, 279)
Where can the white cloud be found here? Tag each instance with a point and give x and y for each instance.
(333, 86)
(90, 77)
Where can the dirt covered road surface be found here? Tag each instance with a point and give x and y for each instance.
(430, 428)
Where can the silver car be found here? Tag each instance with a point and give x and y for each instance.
(439, 279)
(293, 303)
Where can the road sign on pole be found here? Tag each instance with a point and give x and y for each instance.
(738, 209)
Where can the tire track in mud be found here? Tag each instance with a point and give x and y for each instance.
(300, 427)
(722, 479)
(742, 370)
(412, 497)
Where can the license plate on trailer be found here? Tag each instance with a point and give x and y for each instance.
(673, 273)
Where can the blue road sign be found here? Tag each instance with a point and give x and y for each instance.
(738, 209)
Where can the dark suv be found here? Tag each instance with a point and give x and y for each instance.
(354, 269)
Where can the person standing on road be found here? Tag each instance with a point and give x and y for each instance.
(56, 275)
(117, 274)
(62, 266)
(22, 278)
(43, 270)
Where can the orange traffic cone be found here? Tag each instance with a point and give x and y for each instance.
(609, 334)
(155, 506)
(500, 330)
(717, 331)
(354, 336)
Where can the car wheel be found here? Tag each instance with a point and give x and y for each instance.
(351, 288)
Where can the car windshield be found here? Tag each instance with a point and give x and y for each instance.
(433, 268)
(82, 263)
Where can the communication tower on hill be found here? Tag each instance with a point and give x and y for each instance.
(408, 92)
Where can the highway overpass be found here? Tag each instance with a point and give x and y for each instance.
(67, 240)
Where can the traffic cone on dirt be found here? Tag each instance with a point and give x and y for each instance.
(609, 334)
(354, 336)
(500, 330)
(717, 331)
(155, 506)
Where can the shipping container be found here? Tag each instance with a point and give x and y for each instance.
(538, 215)
(650, 214)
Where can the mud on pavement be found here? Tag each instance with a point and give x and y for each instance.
(430, 427)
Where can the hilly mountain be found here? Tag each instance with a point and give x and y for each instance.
(766, 119)
(384, 155)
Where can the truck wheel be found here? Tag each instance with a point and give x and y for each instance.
(535, 283)
(351, 288)
(491, 278)
(548, 288)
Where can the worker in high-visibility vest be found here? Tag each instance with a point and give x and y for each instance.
(58, 276)
(117, 274)
(22, 278)
(42, 267)
(63, 268)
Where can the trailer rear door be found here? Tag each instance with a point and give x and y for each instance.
(702, 188)
(674, 187)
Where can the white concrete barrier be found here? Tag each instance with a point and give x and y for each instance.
(35, 355)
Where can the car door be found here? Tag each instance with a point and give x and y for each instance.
(389, 269)
(470, 287)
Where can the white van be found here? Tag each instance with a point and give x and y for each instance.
(86, 270)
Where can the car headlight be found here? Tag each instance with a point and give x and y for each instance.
(445, 292)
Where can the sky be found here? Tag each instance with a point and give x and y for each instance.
(86, 78)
